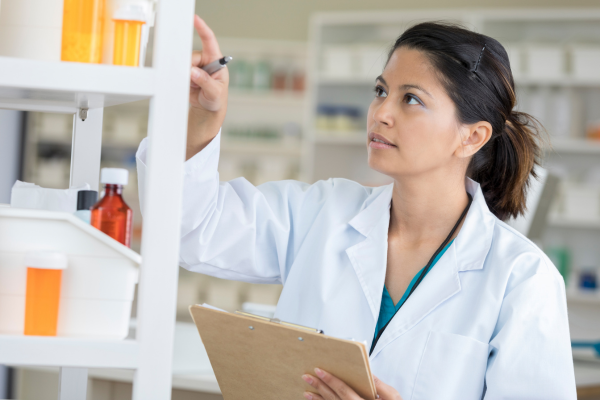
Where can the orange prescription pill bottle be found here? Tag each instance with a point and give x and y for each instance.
(82, 31)
(44, 275)
(129, 19)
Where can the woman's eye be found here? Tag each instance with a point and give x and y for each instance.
(409, 99)
(380, 92)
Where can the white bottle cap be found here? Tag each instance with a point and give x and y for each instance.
(137, 11)
(46, 260)
(114, 176)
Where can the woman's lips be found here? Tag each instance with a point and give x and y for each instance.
(379, 142)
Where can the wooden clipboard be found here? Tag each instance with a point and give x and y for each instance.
(257, 359)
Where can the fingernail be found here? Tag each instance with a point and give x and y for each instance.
(308, 379)
(308, 395)
(319, 373)
(195, 73)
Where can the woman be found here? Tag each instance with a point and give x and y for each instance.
(453, 303)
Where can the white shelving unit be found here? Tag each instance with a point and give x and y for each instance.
(68, 88)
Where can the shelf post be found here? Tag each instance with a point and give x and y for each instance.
(86, 147)
(72, 383)
(167, 130)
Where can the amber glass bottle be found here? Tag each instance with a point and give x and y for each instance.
(112, 215)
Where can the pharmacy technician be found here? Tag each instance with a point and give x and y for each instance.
(452, 302)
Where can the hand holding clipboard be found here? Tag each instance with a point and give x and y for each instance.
(254, 358)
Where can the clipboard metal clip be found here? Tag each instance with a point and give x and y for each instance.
(278, 321)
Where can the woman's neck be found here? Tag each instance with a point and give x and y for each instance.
(425, 209)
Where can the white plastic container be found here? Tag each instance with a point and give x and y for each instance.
(97, 288)
(31, 29)
(515, 57)
(545, 61)
(581, 202)
(586, 62)
(339, 61)
(371, 60)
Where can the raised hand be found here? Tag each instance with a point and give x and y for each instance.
(208, 93)
(328, 387)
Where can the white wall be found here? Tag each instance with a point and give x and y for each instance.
(10, 154)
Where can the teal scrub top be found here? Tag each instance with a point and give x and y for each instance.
(388, 309)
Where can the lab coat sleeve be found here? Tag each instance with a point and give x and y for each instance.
(531, 349)
(234, 230)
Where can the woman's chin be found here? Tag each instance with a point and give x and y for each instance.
(382, 167)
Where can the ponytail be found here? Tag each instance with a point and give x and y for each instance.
(503, 166)
(475, 72)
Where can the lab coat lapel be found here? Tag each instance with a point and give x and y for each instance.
(441, 283)
(467, 253)
(369, 256)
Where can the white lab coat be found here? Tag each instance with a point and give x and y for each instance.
(488, 321)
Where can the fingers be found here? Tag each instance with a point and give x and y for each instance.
(196, 58)
(202, 79)
(343, 391)
(312, 396)
(324, 391)
(210, 46)
(385, 392)
(206, 91)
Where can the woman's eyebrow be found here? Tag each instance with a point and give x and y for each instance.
(411, 86)
(405, 86)
(380, 78)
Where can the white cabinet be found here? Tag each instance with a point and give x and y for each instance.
(69, 88)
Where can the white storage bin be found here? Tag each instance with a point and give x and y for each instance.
(586, 62)
(339, 61)
(31, 29)
(581, 202)
(515, 57)
(97, 287)
(545, 62)
(371, 60)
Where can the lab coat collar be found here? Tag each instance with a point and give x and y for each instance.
(473, 241)
(376, 205)
(369, 259)
(467, 253)
(475, 237)
(369, 256)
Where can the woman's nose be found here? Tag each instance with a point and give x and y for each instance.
(384, 114)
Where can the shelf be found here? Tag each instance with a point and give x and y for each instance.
(258, 147)
(361, 80)
(583, 298)
(561, 222)
(347, 80)
(199, 382)
(343, 138)
(108, 145)
(581, 146)
(269, 98)
(32, 85)
(72, 352)
(558, 82)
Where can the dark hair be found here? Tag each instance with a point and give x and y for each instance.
(475, 72)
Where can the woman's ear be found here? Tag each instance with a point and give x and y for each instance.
(474, 137)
